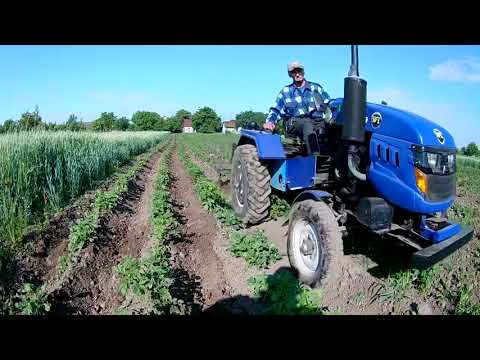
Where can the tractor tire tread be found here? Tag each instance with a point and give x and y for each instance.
(258, 194)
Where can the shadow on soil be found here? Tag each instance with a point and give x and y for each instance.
(187, 287)
(278, 294)
(179, 217)
(385, 255)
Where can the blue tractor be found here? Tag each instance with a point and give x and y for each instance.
(387, 170)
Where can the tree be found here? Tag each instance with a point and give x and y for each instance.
(72, 123)
(146, 120)
(183, 114)
(104, 122)
(121, 124)
(9, 125)
(30, 120)
(51, 127)
(160, 125)
(206, 120)
(246, 117)
(174, 124)
(472, 150)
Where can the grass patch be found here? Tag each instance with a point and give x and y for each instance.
(255, 249)
(465, 215)
(32, 300)
(398, 286)
(149, 279)
(282, 294)
(464, 303)
(426, 279)
(401, 284)
(279, 208)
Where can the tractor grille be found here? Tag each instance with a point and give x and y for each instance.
(441, 187)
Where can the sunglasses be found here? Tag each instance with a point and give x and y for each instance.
(297, 71)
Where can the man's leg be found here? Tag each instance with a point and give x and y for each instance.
(310, 137)
(294, 128)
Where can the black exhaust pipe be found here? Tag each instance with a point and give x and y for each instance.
(354, 62)
(354, 103)
(354, 113)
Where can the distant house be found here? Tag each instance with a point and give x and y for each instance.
(187, 126)
(229, 126)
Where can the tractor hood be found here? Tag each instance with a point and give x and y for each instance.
(399, 124)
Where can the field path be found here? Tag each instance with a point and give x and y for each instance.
(93, 289)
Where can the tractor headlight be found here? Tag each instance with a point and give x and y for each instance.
(435, 161)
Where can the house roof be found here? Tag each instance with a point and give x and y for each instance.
(187, 123)
(230, 124)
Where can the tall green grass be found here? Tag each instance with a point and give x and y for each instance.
(43, 171)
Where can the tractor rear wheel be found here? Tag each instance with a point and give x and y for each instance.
(250, 185)
(314, 245)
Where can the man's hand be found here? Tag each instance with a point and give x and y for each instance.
(269, 126)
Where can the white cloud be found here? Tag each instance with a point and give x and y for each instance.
(465, 69)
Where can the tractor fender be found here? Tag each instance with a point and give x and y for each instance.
(269, 146)
(316, 195)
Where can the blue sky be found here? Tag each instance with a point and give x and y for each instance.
(441, 83)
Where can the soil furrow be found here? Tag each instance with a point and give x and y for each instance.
(93, 288)
(199, 271)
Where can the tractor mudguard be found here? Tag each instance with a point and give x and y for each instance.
(316, 195)
(269, 146)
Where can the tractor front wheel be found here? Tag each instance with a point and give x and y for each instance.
(250, 185)
(314, 245)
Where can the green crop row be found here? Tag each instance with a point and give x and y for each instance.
(149, 278)
(210, 194)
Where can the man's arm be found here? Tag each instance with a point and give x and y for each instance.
(322, 92)
(277, 109)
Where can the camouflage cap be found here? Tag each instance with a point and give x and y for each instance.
(295, 65)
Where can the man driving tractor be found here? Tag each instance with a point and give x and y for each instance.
(301, 104)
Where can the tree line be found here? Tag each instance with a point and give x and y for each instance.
(204, 120)
(470, 150)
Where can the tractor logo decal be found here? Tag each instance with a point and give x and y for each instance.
(439, 136)
(376, 119)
